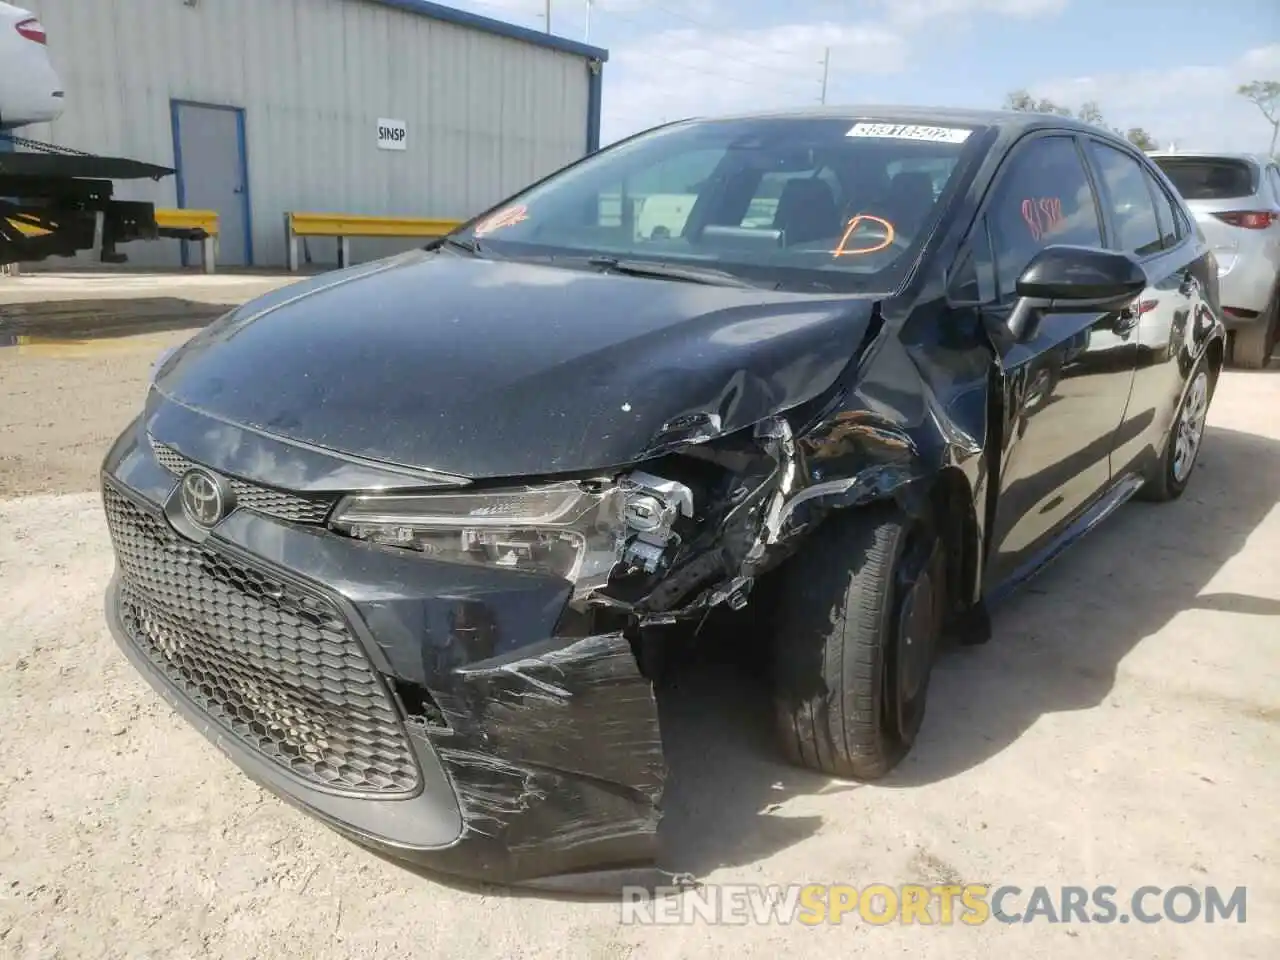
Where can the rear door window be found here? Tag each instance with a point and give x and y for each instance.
(1128, 197)
(1208, 178)
(1043, 198)
(1166, 213)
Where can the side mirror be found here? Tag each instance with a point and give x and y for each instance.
(1066, 279)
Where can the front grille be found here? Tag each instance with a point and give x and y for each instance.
(274, 503)
(274, 664)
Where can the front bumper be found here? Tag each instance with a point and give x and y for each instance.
(540, 760)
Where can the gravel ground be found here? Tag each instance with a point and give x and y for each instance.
(1121, 728)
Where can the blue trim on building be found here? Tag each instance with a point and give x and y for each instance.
(243, 137)
(178, 187)
(499, 28)
(595, 91)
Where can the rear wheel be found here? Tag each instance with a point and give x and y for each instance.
(1170, 476)
(857, 628)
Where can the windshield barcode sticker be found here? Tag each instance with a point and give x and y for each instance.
(909, 131)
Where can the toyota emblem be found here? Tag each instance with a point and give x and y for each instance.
(203, 500)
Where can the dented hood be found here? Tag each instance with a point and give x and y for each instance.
(485, 368)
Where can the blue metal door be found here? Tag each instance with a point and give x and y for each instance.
(213, 173)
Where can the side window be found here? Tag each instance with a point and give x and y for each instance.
(1126, 195)
(1043, 197)
(1166, 213)
(1273, 174)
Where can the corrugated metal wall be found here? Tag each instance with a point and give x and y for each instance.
(485, 114)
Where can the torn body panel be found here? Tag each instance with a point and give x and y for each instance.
(888, 429)
(555, 755)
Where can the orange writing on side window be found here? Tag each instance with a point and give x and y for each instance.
(1043, 215)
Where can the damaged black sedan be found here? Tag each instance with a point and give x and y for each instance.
(398, 538)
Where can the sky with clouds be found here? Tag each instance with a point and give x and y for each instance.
(1170, 66)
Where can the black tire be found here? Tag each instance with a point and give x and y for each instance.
(1168, 479)
(1252, 345)
(839, 641)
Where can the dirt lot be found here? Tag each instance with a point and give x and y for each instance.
(1122, 728)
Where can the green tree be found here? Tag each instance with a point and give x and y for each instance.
(1265, 95)
(1089, 112)
(1141, 139)
(1022, 101)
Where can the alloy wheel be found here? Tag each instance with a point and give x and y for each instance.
(1190, 427)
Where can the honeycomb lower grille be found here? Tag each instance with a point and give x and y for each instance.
(251, 496)
(275, 665)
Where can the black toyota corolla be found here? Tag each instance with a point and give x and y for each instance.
(398, 538)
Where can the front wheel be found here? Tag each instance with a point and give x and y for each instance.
(857, 628)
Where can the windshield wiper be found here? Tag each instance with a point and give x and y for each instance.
(466, 244)
(668, 271)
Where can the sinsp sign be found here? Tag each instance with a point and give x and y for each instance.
(392, 134)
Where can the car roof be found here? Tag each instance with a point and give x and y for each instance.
(1206, 155)
(1007, 119)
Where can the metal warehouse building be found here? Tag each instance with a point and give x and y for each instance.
(268, 106)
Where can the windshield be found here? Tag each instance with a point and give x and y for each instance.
(792, 203)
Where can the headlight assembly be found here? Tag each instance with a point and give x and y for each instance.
(565, 529)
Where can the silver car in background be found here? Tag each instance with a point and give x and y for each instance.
(30, 90)
(1235, 199)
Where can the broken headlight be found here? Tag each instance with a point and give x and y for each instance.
(577, 531)
(567, 530)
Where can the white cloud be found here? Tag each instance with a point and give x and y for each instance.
(693, 72)
(700, 71)
(917, 13)
(1196, 106)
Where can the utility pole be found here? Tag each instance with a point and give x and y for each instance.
(586, 31)
(547, 16)
(826, 71)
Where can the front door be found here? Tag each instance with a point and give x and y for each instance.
(1145, 223)
(210, 155)
(1066, 385)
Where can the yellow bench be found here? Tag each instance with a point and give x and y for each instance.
(344, 226)
(172, 223)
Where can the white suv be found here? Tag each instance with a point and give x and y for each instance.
(1236, 202)
(30, 90)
